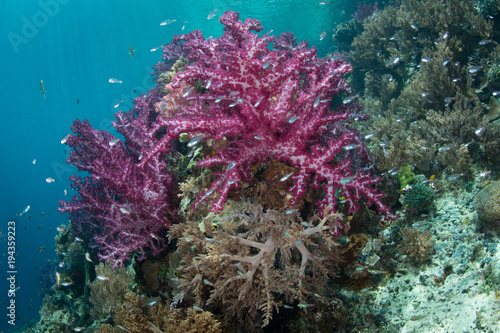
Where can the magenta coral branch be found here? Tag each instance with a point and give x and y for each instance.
(270, 105)
(121, 207)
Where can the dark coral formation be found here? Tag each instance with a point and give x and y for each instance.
(416, 244)
(487, 204)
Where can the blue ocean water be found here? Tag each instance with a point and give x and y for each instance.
(75, 47)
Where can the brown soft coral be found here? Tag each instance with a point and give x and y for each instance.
(416, 244)
(256, 260)
(107, 293)
(136, 315)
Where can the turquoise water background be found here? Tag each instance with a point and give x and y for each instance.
(75, 47)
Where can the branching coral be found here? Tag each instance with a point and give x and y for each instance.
(256, 260)
(136, 315)
(268, 104)
(431, 106)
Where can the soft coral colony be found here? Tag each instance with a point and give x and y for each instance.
(268, 104)
(260, 105)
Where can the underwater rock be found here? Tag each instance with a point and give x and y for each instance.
(487, 204)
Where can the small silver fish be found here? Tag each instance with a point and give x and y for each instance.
(167, 22)
(115, 81)
(484, 174)
(350, 99)
(25, 210)
(475, 69)
(446, 147)
(393, 62)
(65, 139)
(371, 134)
(153, 301)
(124, 210)
(113, 142)
(285, 177)
(316, 101)
(243, 275)
(194, 141)
(102, 278)
(209, 83)
(212, 14)
(347, 180)
(350, 146)
(50, 180)
(455, 176)
(187, 92)
(304, 305)
(487, 41)
(258, 102)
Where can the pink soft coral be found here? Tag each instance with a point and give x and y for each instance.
(270, 105)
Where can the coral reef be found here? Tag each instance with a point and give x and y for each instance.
(108, 290)
(136, 315)
(416, 244)
(418, 198)
(364, 11)
(428, 84)
(487, 204)
(265, 143)
(256, 261)
(122, 207)
(268, 104)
